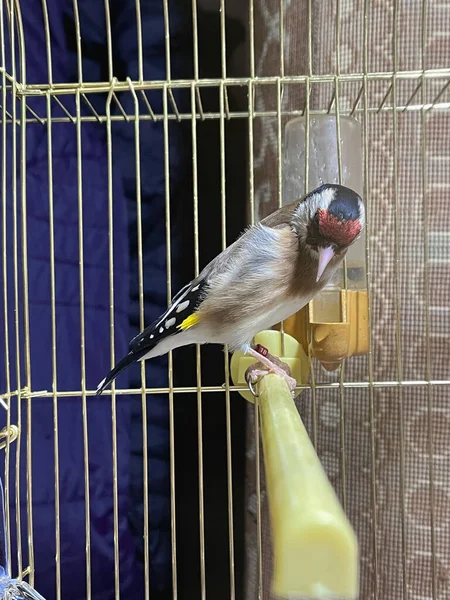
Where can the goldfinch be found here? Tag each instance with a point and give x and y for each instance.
(269, 273)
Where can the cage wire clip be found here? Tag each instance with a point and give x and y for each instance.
(8, 435)
(24, 393)
(251, 388)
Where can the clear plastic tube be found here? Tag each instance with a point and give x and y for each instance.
(324, 168)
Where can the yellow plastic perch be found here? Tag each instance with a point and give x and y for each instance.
(315, 548)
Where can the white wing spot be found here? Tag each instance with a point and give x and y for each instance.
(151, 336)
(170, 322)
(182, 306)
(194, 289)
(161, 329)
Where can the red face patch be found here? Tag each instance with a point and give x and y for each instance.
(341, 233)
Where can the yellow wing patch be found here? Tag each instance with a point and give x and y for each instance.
(189, 321)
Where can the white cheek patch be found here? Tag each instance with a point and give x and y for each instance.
(325, 198)
(170, 322)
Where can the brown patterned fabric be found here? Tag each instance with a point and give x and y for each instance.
(396, 489)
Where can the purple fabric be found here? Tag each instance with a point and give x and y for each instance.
(96, 294)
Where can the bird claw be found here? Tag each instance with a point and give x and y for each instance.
(253, 374)
(272, 360)
(256, 371)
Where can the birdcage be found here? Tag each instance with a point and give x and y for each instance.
(138, 139)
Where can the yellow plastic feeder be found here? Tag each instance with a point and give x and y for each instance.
(333, 326)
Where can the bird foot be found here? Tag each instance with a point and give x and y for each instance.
(273, 365)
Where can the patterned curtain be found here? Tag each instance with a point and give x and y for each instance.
(396, 488)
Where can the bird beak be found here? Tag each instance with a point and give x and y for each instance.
(325, 255)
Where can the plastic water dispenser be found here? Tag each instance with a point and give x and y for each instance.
(334, 325)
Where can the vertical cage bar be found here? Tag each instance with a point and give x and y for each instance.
(258, 499)
(137, 149)
(195, 38)
(398, 338)
(76, 16)
(48, 46)
(223, 41)
(281, 33)
(307, 96)
(167, 41)
(425, 216)
(310, 48)
(256, 404)
(251, 33)
(53, 302)
(109, 40)
(5, 282)
(307, 138)
(280, 91)
(54, 360)
(12, 22)
(195, 53)
(201, 505)
(109, 150)
(251, 175)
(25, 301)
(83, 347)
(170, 371)
(336, 86)
(139, 41)
(367, 198)
(344, 315)
(226, 354)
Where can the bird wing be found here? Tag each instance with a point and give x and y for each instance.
(247, 286)
(282, 216)
(230, 267)
(177, 318)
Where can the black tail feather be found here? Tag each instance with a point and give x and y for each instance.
(132, 357)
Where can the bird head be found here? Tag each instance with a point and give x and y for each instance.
(328, 221)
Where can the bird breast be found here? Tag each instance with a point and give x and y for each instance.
(262, 318)
(261, 280)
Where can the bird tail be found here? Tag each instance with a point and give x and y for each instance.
(132, 357)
